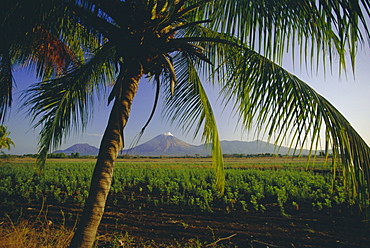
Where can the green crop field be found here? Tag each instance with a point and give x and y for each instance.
(173, 203)
(250, 183)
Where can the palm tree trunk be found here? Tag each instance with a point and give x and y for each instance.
(111, 144)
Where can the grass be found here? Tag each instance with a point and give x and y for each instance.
(26, 234)
(33, 235)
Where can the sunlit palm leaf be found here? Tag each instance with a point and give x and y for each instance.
(5, 141)
(283, 107)
(280, 104)
(190, 105)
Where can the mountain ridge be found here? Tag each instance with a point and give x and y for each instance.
(83, 149)
(168, 145)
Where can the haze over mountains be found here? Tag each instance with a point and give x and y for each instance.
(168, 145)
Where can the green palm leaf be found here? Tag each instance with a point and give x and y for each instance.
(188, 105)
(65, 103)
(41, 36)
(5, 141)
(280, 104)
(320, 30)
(6, 84)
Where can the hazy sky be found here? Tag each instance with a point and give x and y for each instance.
(348, 94)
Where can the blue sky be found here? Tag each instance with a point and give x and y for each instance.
(350, 95)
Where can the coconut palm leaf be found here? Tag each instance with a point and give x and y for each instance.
(189, 104)
(320, 30)
(278, 103)
(41, 36)
(6, 84)
(5, 141)
(63, 104)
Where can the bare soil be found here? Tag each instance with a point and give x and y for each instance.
(165, 226)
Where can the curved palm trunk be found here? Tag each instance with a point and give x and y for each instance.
(110, 145)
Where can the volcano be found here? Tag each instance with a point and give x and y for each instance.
(166, 144)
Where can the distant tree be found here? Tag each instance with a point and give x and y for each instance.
(125, 156)
(75, 155)
(58, 155)
(238, 155)
(30, 155)
(5, 141)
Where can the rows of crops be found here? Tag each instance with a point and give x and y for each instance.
(168, 184)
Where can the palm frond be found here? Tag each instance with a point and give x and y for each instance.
(29, 36)
(6, 84)
(44, 53)
(320, 29)
(281, 104)
(65, 103)
(5, 141)
(154, 108)
(169, 66)
(190, 105)
(283, 107)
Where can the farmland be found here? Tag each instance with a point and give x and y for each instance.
(277, 201)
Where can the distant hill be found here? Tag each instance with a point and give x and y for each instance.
(168, 145)
(253, 147)
(82, 149)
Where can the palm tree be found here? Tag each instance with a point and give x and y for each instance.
(5, 141)
(39, 35)
(237, 45)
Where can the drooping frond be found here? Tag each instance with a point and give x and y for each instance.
(64, 104)
(6, 84)
(280, 105)
(156, 99)
(286, 108)
(190, 106)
